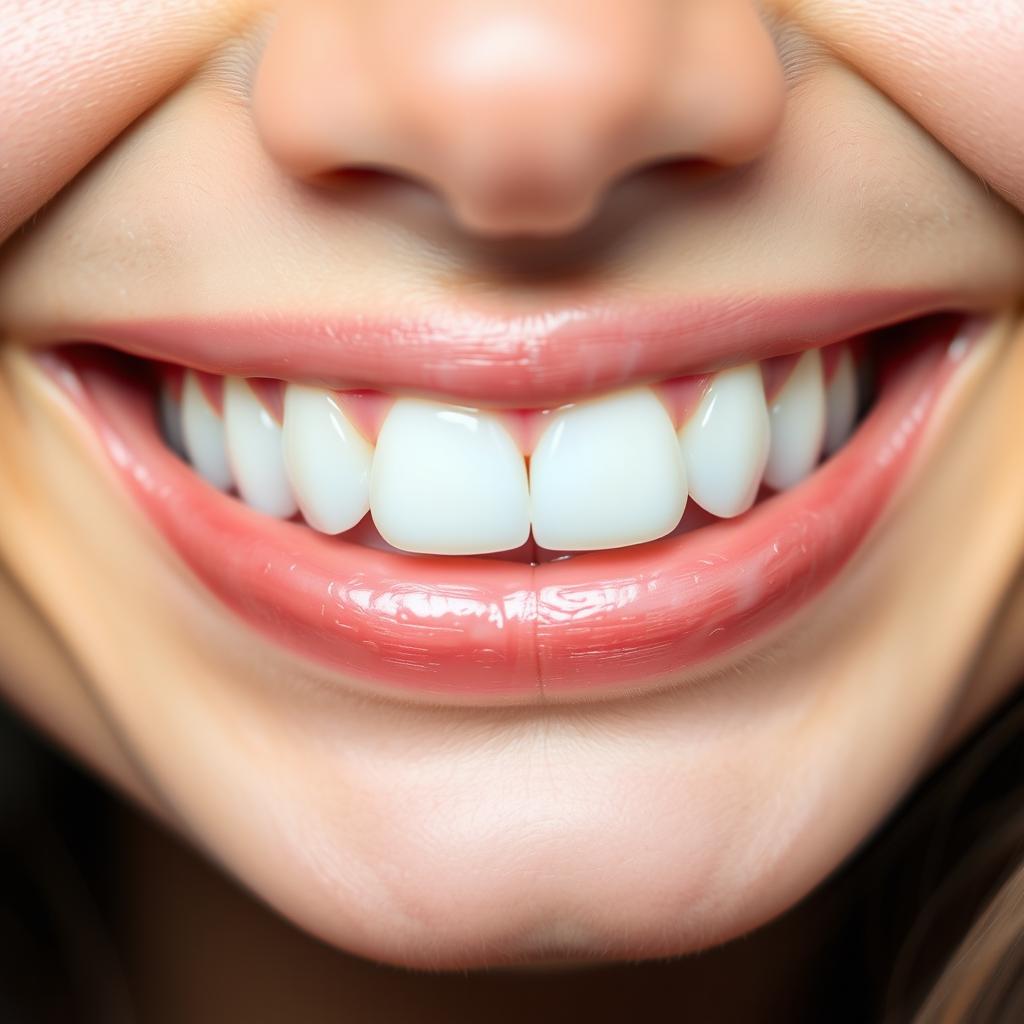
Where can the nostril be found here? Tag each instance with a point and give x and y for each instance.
(682, 169)
(380, 188)
(365, 178)
(367, 175)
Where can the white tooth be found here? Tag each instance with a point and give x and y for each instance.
(448, 480)
(841, 403)
(607, 473)
(202, 432)
(798, 424)
(326, 458)
(170, 419)
(254, 451)
(725, 442)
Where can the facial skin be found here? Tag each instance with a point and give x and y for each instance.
(461, 837)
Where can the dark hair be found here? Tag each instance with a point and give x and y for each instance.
(934, 919)
(57, 961)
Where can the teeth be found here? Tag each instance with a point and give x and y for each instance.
(170, 420)
(725, 442)
(448, 480)
(841, 402)
(327, 460)
(254, 451)
(607, 473)
(202, 434)
(797, 424)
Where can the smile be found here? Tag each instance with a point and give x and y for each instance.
(609, 541)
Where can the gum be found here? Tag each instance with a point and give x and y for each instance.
(368, 408)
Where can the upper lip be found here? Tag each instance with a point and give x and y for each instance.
(529, 360)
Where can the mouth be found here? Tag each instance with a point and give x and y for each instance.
(429, 546)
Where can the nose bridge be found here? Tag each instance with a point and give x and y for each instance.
(522, 69)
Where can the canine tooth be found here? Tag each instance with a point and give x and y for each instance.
(797, 424)
(841, 403)
(606, 473)
(725, 442)
(170, 420)
(448, 480)
(202, 433)
(254, 451)
(327, 460)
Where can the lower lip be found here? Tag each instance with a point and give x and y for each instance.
(452, 629)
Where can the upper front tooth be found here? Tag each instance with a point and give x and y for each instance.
(607, 473)
(725, 442)
(254, 451)
(202, 432)
(327, 460)
(841, 403)
(448, 480)
(797, 424)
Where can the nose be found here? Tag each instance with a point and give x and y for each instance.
(519, 113)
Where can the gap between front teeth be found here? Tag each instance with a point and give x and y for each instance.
(444, 479)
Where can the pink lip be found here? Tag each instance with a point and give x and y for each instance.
(527, 361)
(619, 620)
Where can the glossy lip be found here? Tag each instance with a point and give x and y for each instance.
(528, 361)
(457, 629)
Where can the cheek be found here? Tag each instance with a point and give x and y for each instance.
(63, 69)
(953, 65)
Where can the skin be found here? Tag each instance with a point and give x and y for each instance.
(843, 152)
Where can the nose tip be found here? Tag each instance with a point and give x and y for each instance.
(520, 115)
(529, 120)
